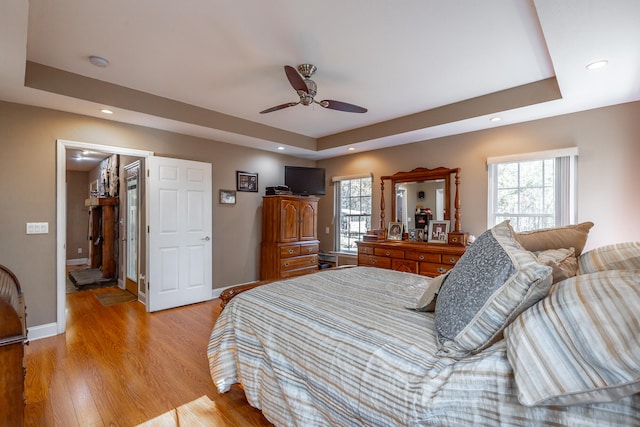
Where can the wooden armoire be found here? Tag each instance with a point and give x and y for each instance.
(289, 236)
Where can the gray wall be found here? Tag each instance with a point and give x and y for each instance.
(28, 186)
(608, 140)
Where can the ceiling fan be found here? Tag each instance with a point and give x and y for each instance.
(306, 89)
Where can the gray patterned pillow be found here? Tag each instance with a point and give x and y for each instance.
(494, 281)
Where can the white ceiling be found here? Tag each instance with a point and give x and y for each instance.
(394, 58)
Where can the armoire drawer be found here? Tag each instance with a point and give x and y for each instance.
(298, 272)
(289, 251)
(309, 249)
(298, 262)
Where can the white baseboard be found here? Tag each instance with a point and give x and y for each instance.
(42, 331)
(78, 261)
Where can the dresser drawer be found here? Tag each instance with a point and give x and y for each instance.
(424, 257)
(311, 248)
(432, 269)
(298, 262)
(404, 265)
(289, 251)
(374, 261)
(450, 259)
(393, 253)
(365, 250)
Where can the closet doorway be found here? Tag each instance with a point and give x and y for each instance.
(61, 214)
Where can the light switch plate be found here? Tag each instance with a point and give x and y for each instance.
(37, 228)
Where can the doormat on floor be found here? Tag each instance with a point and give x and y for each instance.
(88, 276)
(115, 297)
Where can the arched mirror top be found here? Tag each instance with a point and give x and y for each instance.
(422, 182)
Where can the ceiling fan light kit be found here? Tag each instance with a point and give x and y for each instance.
(307, 89)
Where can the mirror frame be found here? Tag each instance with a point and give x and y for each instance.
(424, 174)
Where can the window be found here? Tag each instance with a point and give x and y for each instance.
(535, 190)
(353, 210)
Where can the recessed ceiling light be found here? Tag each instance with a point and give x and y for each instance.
(98, 61)
(104, 110)
(351, 148)
(597, 64)
(280, 148)
(495, 119)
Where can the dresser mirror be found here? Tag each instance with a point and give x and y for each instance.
(426, 189)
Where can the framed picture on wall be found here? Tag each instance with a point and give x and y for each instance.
(227, 197)
(438, 231)
(247, 181)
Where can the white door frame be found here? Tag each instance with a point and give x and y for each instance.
(61, 213)
(125, 255)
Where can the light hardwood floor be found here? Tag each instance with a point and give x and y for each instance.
(121, 366)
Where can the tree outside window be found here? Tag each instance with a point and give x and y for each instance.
(353, 203)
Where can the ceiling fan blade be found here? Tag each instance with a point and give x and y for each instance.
(342, 106)
(295, 79)
(279, 107)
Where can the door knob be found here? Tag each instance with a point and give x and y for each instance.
(206, 238)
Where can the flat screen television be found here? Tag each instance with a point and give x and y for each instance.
(305, 181)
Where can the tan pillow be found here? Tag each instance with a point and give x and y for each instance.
(571, 236)
(563, 261)
(427, 301)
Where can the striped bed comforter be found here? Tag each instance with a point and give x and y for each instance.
(340, 348)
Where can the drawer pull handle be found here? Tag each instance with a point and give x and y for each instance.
(452, 260)
(373, 261)
(290, 251)
(387, 253)
(313, 261)
(454, 239)
(442, 270)
(286, 264)
(421, 257)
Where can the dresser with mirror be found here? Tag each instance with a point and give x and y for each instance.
(431, 240)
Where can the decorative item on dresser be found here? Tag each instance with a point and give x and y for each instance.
(289, 236)
(13, 336)
(420, 190)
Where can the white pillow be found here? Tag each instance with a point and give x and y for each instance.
(427, 301)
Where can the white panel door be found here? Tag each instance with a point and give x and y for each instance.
(179, 219)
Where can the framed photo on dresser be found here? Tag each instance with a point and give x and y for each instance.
(395, 231)
(438, 231)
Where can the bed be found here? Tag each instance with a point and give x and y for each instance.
(537, 337)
